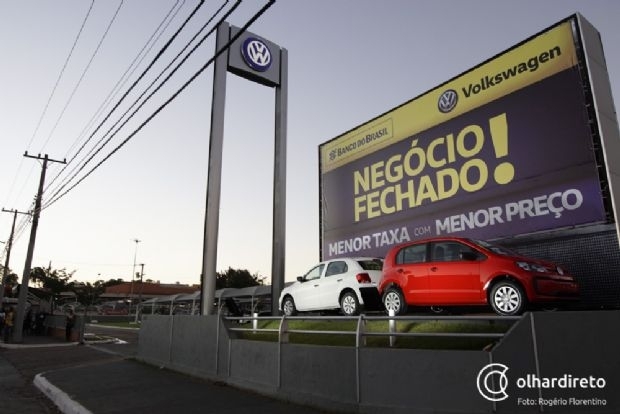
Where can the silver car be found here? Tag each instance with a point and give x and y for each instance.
(333, 284)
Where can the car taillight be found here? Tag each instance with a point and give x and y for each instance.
(363, 278)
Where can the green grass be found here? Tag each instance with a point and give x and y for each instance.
(417, 342)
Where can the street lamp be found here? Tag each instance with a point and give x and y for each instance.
(133, 273)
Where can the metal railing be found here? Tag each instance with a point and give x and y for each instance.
(361, 333)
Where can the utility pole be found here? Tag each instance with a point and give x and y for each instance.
(5, 271)
(23, 291)
(139, 306)
(133, 275)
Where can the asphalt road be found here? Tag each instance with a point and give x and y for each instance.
(18, 367)
(128, 346)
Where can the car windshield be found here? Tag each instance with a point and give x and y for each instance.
(371, 264)
(496, 248)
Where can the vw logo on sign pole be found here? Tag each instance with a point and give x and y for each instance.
(256, 54)
(264, 62)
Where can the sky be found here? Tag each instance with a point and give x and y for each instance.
(349, 61)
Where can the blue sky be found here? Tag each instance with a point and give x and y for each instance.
(349, 61)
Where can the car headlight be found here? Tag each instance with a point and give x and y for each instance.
(532, 267)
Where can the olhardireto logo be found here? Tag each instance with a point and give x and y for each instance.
(492, 383)
(256, 54)
(447, 101)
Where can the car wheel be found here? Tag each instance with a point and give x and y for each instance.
(349, 304)
(393, 299)
(507, 298)
(288, 306)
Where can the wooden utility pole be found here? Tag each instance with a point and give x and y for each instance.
(9, 246)
(23, 291)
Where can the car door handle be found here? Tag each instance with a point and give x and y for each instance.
(339, 280)
(316, 285)
(434, 269)
(400, 270)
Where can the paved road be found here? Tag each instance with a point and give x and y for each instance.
(84, 379)
(129, 338)
(19, 366)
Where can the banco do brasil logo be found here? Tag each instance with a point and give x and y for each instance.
(492, 382)
(447, 101)
(256, 54)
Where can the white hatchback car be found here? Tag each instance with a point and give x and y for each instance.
(332, 284)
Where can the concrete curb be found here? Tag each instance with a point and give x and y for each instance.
(59, 397)
(48, 345)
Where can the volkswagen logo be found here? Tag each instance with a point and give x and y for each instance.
(492, 382)
(256, 54)
(447, 101)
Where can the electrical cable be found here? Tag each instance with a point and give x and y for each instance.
(105, 34)
(155, 59)
(24, 222)
(174, 96)
(129, 71)
(49, 99)
(119, 84)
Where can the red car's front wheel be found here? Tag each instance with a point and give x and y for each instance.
(507, 298)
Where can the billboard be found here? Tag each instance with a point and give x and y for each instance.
(504, 149)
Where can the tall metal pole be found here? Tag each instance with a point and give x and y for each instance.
(279, 185)
(133, 274)
(23, 291)
(214, 178)
(139, 306)
(9, 246)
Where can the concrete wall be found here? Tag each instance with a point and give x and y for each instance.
(186, 344)
(384, 380)
(557, 344)
(315, 375)
(431, 381)
(55, 326)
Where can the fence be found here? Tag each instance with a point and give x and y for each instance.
(361, 333)
(365, 378)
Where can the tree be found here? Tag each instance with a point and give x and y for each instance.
(55, 281)
(10, 283)
(88, 293)
(237, 278)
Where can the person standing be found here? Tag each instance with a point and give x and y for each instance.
(70, 323)
(8, 324)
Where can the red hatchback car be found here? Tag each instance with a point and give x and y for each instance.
(453, 271)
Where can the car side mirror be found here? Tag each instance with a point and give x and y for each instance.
(469, 256)
(300, 279)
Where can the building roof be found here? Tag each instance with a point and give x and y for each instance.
(147, 289)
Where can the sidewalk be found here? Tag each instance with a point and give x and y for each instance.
(83, 379)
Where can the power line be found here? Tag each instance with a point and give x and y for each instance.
(49, 99)
(134, 64)
(105, 34)
(133, 85)
(121, 82)
(62, 71)
(181, 89)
